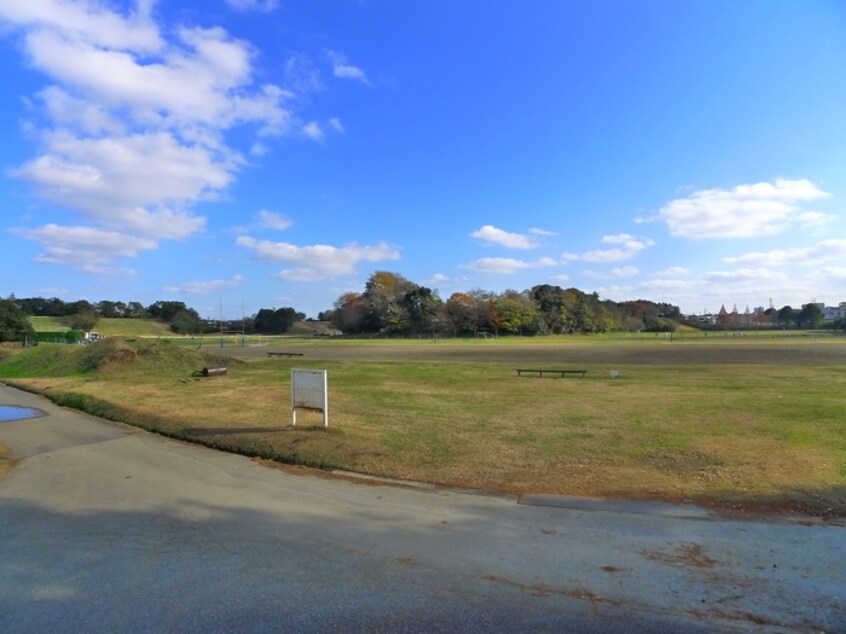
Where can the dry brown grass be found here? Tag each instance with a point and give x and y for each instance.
(740, 433)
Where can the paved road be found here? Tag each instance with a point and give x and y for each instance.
(107, 529)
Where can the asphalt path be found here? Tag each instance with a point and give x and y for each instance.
(104, 528)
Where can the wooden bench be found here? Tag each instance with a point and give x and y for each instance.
(284, 354)
(561, 373)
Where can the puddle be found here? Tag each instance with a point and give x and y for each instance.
(16, 412)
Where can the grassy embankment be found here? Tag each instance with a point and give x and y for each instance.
(109, 327)
(736, 436)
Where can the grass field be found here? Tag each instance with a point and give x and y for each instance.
(722, 423)
(109, 327)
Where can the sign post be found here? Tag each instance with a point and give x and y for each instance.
(309, 390)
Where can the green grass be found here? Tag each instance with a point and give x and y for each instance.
(109, 327)
(722, 434)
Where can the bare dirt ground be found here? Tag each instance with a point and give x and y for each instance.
(566, 355)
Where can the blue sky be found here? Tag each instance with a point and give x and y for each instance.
(265, 153)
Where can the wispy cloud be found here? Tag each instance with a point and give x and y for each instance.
(302, 75)
(507, 266)
(342, 69)
(491, 235)
(273, 220)
(319, 261)
(203, 288)
(615, 273)
(623, 247)
(440, 280)
(542, 232)
(826, 250)
(744, 211)
(313, 131)
(744, 274)
(261, 6)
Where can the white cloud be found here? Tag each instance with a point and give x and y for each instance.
(744, 211)
(809, 256)
(202, 288)
(615, 273)
(313, 131)
(301, 75)
(562, 277)
(542, 232)
(438, 278)
(507, 266)
(318, 261)
(445, 282)
(123, 90)
(624, 247)
(674, 271)
(87, 20)
(273, 220)
(342, 69)
(744, 274)
(835, 272)
(114, 182)
(262, 6)
(337, 126)
(85, 248)
(490, 235)
(813, 219)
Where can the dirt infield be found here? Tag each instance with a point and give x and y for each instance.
(569, 355)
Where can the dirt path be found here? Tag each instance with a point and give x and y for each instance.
(569, 355)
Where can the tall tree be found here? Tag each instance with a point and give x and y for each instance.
(85, 319)
(384, 296)
(275, 321)
(461, 313)
(14, 323)
(423, 307)
(786, 316)
(810, 316)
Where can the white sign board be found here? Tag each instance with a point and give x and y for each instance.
(309, 390)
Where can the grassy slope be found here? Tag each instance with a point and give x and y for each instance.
(725, 434)
(109, 327)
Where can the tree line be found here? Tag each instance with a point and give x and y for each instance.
(393, 305)
(182, 319)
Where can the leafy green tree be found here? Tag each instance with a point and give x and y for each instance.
(811, 316)
(517, 313)
(79, 306)
(136, 310)
(85, 319)
(186, 322)
(787, 317)
(167, 310)
(384, 296)
(110, 309)
(423, 307)
(14, 323)
(276, 321)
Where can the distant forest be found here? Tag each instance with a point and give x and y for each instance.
(392, 305)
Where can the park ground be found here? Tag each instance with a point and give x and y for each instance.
(740, 424)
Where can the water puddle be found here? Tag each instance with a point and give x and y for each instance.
(16, 412)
